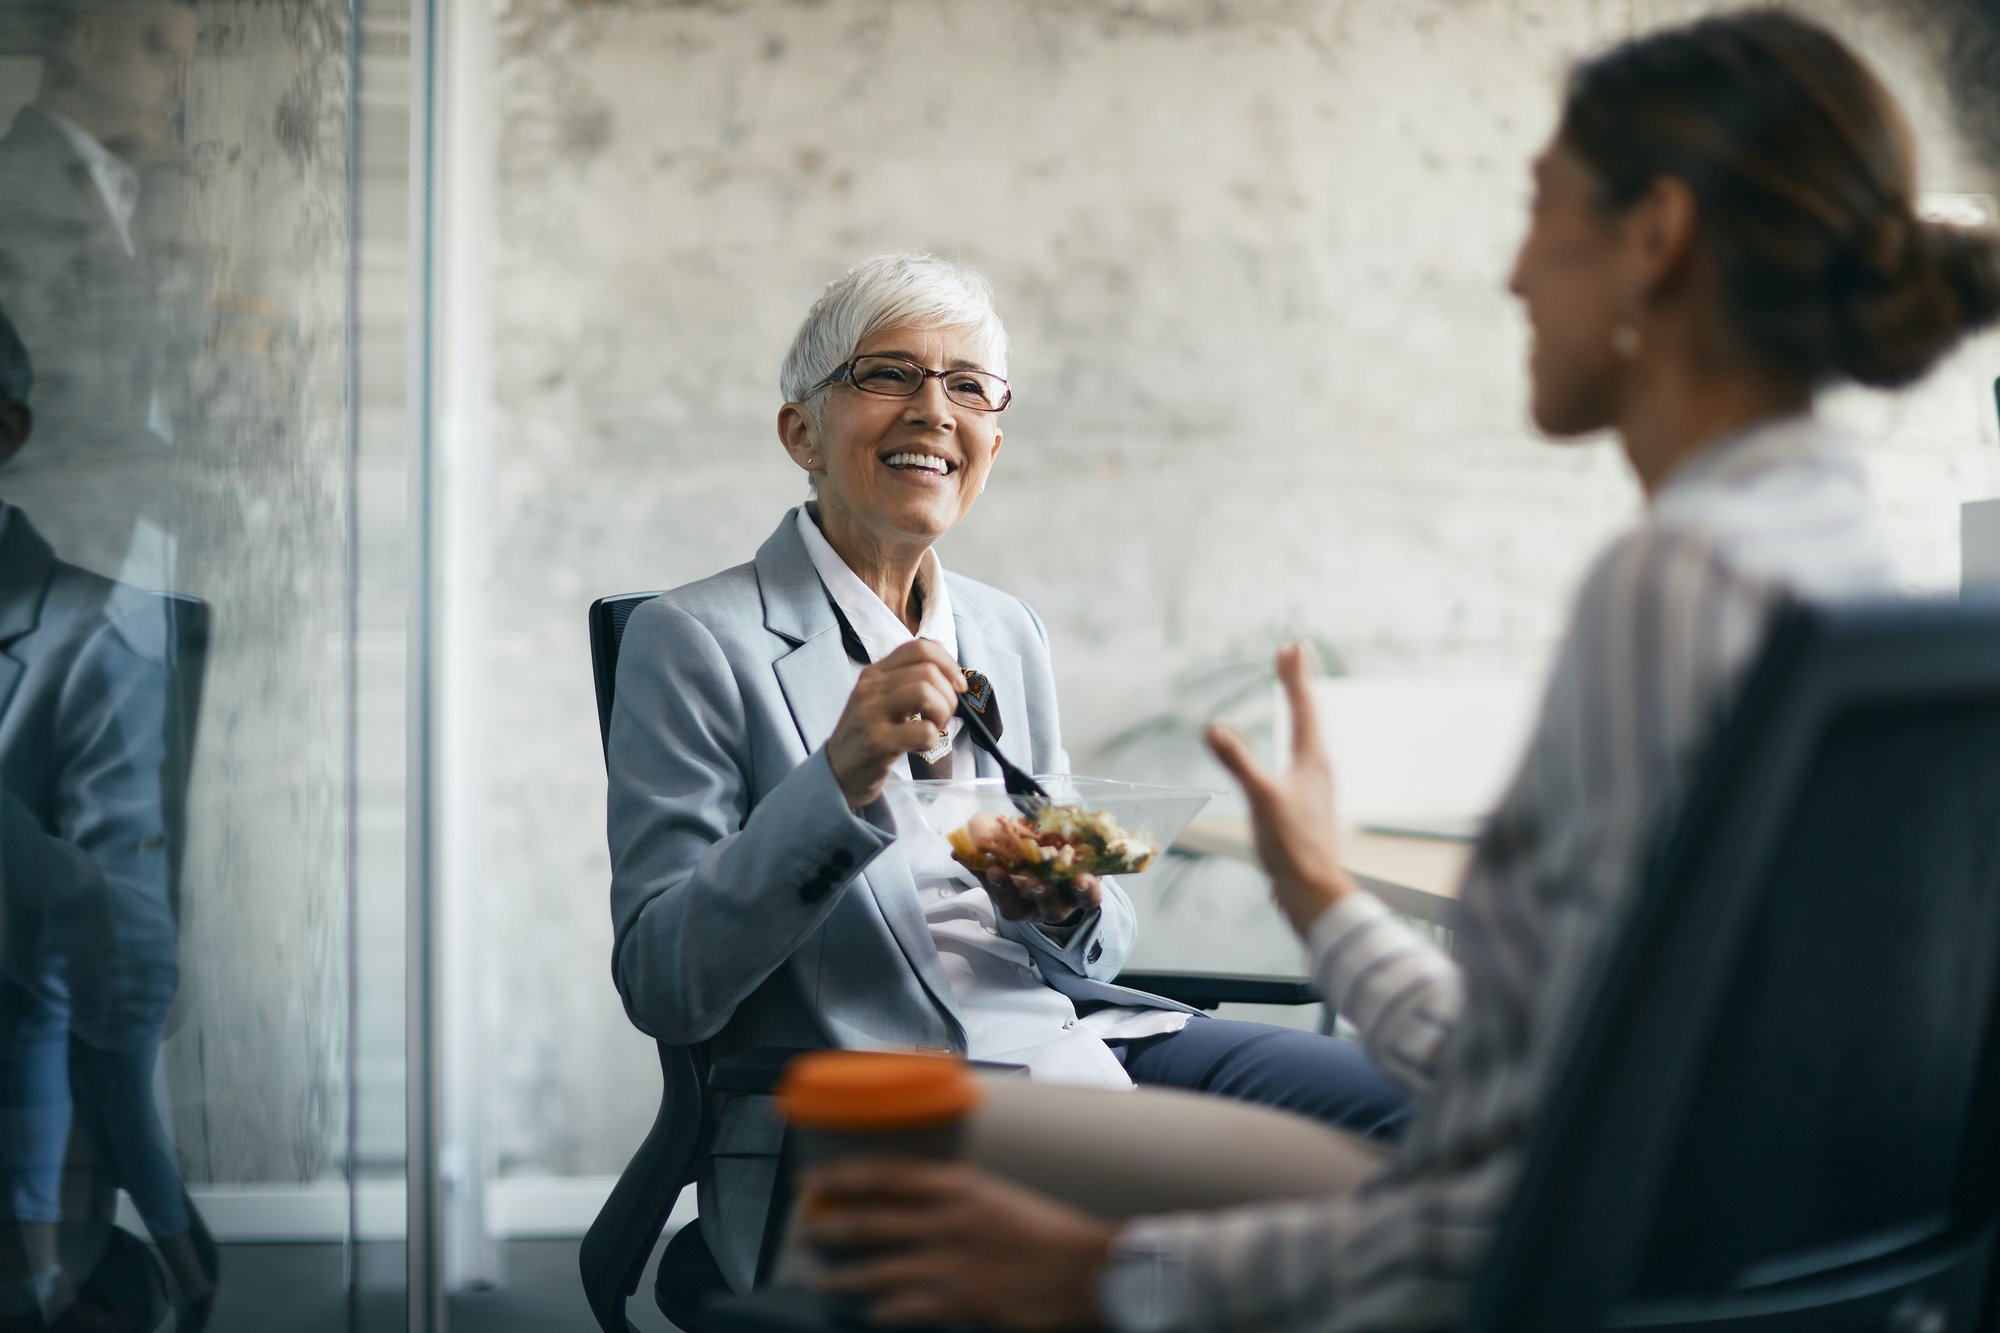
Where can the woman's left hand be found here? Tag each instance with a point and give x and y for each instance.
(1038, 902)
(948, 1244)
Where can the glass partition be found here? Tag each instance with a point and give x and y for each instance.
(188, 1085)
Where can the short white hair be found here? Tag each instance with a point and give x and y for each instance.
(887, 292)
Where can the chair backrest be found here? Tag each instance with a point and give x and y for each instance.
(1781, 1108)
(608, 616)
(612, 1258)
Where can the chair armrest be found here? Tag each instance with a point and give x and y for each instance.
(1206, 990)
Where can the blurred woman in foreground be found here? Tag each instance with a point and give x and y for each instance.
(1723, 225)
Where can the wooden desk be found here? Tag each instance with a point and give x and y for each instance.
(1415, 876)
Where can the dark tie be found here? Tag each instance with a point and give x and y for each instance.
(920, 768)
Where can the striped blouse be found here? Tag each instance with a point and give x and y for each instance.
(1667, 619)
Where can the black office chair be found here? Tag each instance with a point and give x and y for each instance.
(613, 1255)
(1779, 1110)
(1782, 1108)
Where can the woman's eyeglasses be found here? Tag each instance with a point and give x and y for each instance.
(895, 377)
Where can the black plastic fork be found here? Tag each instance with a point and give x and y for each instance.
(1030, 798)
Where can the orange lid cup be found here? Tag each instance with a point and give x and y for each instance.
(875, 1092)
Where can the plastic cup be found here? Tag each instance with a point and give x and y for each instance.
(838, 1104)
(845, 1103)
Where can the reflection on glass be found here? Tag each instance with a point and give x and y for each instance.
(93, 751)
(93, 743)
(86, 195)
(172, 424)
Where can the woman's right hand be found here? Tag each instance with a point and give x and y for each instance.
(1291, 813)
(900, 704)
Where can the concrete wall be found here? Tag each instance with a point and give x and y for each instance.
(1252, 258)
(259, 1070)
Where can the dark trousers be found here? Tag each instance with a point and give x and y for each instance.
(1329, 1079)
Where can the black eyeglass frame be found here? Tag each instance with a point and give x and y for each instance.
(844, 374)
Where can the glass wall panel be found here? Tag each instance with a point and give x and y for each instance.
(179, 671)
(383, 555)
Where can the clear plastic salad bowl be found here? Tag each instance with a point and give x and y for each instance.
(1094, 825)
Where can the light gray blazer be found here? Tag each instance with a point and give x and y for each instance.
(750, 906)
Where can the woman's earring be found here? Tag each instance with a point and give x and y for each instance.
(1625, 341)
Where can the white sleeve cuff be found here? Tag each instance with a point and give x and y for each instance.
(1332, 925)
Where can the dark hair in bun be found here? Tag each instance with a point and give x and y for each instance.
(1802, 170)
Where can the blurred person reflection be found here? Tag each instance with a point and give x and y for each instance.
(77, 167)
(87, 930)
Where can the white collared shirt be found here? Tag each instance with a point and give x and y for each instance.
(118, 187)
(1010, 1013)
(117, 184)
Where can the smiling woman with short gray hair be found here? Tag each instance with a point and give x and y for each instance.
(769, 886)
